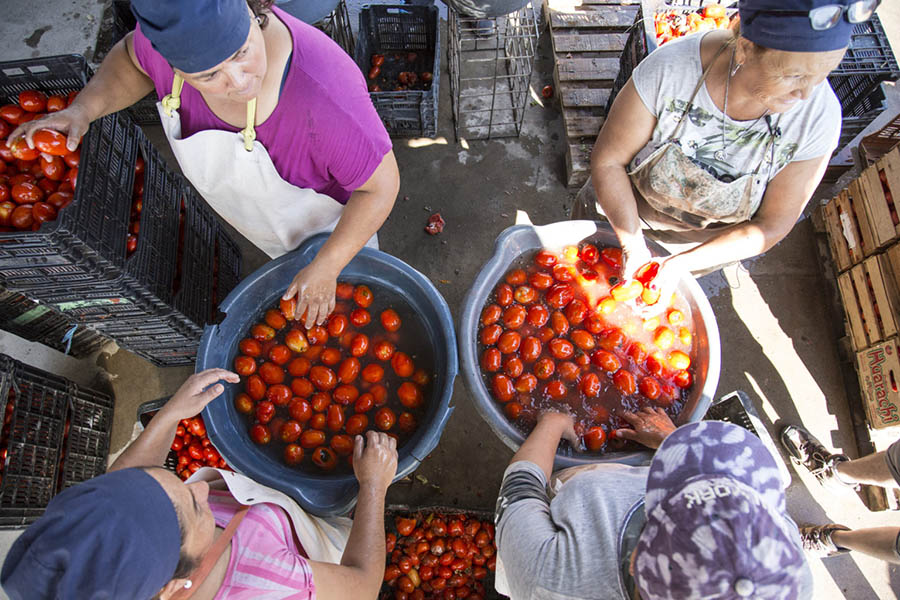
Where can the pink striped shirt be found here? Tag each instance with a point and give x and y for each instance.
(266, 562)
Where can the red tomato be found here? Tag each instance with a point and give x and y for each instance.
(250, 347)
(526, 383)
(271, 373)
(255, 387)
(330, 356)
(649, 388)
(406, 422)
(290, 432)
(299, 367)
(60, 200)
(590, 385)
(262, 333)
(33, 101)
(509, 342)
(513, 366)
(560, 295)
(594, 438)
(279, 394)
(516, 277)
(525, 294)
(545, 258)
(324, 458)
(296, 341)
(288, 308)
(363, 296)
(490, 334)
(244, 366)
(491, 360)
(300, 410)
(611, 339)
(559, 324)
(555, 390)
(345, 394)
(390, 320)
(383, 350)
(50, 142)
(402, 364)
(537, 315)
(53, 169)
(540, 281)
(43, 212)
(73, 158)
(409, 394)
(265, 410)
(342, 444)
(275, 319)
(683, 379)
(606, 360)
(583, 339)
(279, 354)
(503, 388)
(491, 314)
(21, 217)
(374, 72)
(335, 417)
(322, 377)
(544, 368)
(293, 454)
(311, 438)
(337, 324)
(372, 373)
(405, 526)
(504, 294)
(563, 273)
(302, 387)
(576, 311)
(385, 418)
(26, 193)
(360, 344)
(514, 316)
(561, 348)
(55, 103)
(243, 404)
(360, 317)
(589, 254)
(356, 424)
(624, 380)
(11, 113)
(612, 257)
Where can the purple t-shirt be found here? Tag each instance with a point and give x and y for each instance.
(324, 134)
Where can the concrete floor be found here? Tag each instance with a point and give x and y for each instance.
(778, 331)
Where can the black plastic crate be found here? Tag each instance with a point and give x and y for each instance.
(634, 52)
(869, 52)
(35, 437)
(194, 287)
(386, 29)
(227, 271)
(40, 323)
(87, 444)
(145, 414)
(144, 110)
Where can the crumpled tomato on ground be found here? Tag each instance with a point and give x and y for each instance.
(435, 224)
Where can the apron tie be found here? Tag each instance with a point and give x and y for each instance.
(172, 102)
(248, 132)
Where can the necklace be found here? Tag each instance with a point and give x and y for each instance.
(720, 153)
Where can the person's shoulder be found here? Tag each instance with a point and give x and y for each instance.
(317, 58)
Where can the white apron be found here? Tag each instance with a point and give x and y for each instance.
(235, 175)
(323, 539)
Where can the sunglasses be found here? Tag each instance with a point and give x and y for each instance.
(826, 17)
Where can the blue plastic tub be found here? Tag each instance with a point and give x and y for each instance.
(519, 239)
(323, 495)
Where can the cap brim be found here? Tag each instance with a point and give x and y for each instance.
(714, 448)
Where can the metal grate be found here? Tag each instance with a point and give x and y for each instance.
(491, 61)
(337, 27)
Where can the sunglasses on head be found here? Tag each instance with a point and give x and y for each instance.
(826, 17)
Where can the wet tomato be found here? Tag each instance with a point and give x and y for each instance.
(359, 345)
(335, 417)
(568, 370)
(300, 410)
(244, 366)
(299, 367)
(590, 385)
(293, 454)
(594, 438)
(524, 294)
(583, 339)
(363, 296)
(410, 395)
(383, 350)
(491, 360)
(243, 403)
(260, 434)
(349, 370)
(576, 311)
(402, 364)
(322, 377)
(356, 424)
(526, 383)
(337, 324)
(296, 341)
(312, 438)
(503, 388)
(561, 348)
(390, 320)
(683, 379)
(255, 387)
(490, 334)
(611, 339)
(290, 432)
(516, 277)
(491, 314)
(265, 410)
(589, 254)
(279, 354)
(262, 333)
(530, 349)
(514, 316)
(385, 418)
(372, 373)
(563, 273)
(324, 458)
(544, 368)
(342, 444)
(513, 366)
(555, 390)
(33, 101)
(302, 387)
(649, 388)
(612, 257)
(540, 281)
(624, 380)
(509, 342)
(271, 373)
(559, 323)
(537, 315)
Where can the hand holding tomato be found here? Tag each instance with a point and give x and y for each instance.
(635, 255)
(375, 460)
(314, 286)
(566, 424)
(664, 285)
(197, 391)
(651, 426)
(73, 121)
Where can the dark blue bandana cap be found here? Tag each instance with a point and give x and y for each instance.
(789, 32)
(114, 536)
(194, 36)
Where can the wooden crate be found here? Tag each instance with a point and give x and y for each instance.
(871, 300)
(881, 214)
(879, 377)
(844, 236)
(587, 41)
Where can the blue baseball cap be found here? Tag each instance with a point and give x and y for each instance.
(717, 525)
(197, 35)
(785, 25)
(114, 536)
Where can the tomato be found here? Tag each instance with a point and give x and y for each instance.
(504, 294)
(60, 200)
(43, 212)
(561, 348)
(33, 101)
(576, 311)
(360, 344)
(279, 394)
(342, 444)
(525, 383)
(385, 418)
(624, 380)
(545, 258)
(383, 350)
(540, 281)
(663, 337)
(296, 341)
(594, 438)
(404, 526)
(345, 394)
(21, 217)
(678, 360)
(491, 314)
(684, 334)
(271, 373)
(279, 354)
(302, 387)
(502, 388)
(317, 335)
(330, 356)
(582, 339)
(379, 393)
(26, 193)
(262, 333)
(559, 295)
(311, 438)
(244, 366)
(509, 342)
(516, 277)
(491, 360)
(11, 113)
(611, 339)
(654, 364)
(513, 366)
(590, 385)
(406, 422)
(72, 159)
(348, 371)
(390, 320)
(53, 169)
(589, 254)
(265, 410)
(337, 324)
(612, 257)
(335, 417)
(299, 367)
(555, 390)
(72, 177)
(324, 458)
(544, 368)
(322, 377)
(524, 294)
(374, 72)
(356, 424)
(650, 295)
(290, 432)
(360, 317)
(372, 373)
(50, 142)
(300, 410)
(363, 296)
(626, 290)
(683, 379)
(243, 404)
(260, 434)
(649, 388)
(409, 394)
(563, 273)
(402, 364)
(255, 387)
(293, 454)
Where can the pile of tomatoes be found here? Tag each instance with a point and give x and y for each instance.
(33, 189)
(566, 331)
(137, 205)
(194, 449)
(407, 78)
(309, 391)
(438, 556)
(671, 24)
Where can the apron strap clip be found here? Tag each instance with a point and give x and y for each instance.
(172, 102)
(249, 132)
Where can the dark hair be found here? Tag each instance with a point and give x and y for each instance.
(260, 8)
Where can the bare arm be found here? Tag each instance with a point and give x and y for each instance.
(626, 130)
(362, 565)
(540, 446)
(118, 83)
(152, 446)
(364, 214)
(782, 205)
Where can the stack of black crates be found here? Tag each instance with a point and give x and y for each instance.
(154, 301)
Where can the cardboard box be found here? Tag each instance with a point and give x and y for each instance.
(879, 379)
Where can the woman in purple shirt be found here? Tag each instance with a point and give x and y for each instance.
(269, 119)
